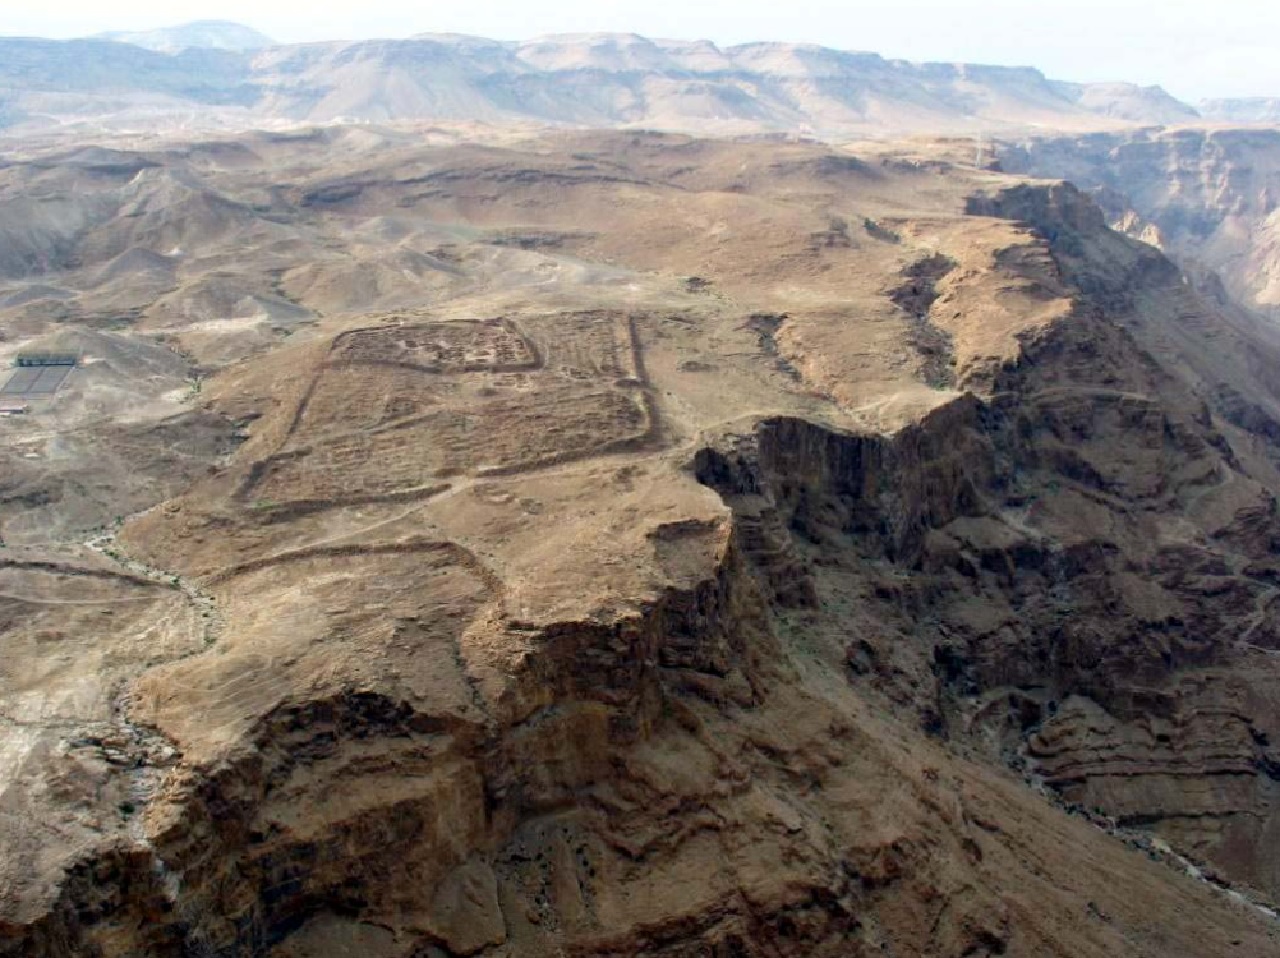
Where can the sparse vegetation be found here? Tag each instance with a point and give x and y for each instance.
(880, 232)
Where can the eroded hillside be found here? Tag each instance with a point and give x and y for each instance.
(220, 76)
(623, 544)
(1209, 197)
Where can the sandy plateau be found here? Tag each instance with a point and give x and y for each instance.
(624, 544)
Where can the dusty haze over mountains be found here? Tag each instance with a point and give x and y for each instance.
(219, 75)
(199, 34)
(1196, 49)
(605, 496)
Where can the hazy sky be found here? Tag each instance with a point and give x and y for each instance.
(1194, 48)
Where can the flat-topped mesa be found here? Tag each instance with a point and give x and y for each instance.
(219, 74)
(268, 827)
(688, 577)
(1042, 571)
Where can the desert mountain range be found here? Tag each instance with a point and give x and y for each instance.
(198, 35)
(221, 74)
(438, 521)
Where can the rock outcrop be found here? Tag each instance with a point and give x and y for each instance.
(1259, 109)
(1074, 575)
(736, 581)
(1212, 207)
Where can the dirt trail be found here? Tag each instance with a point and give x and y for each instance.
(33, 600)
(204, 604)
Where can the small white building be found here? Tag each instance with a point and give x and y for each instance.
(14, 409)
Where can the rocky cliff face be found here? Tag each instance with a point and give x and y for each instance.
(1261, 109)
(1212, 205)
(1073, 576)
(827, 601)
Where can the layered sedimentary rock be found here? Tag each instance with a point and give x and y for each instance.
(1207, 197)
(220, 76)
(777, 543)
